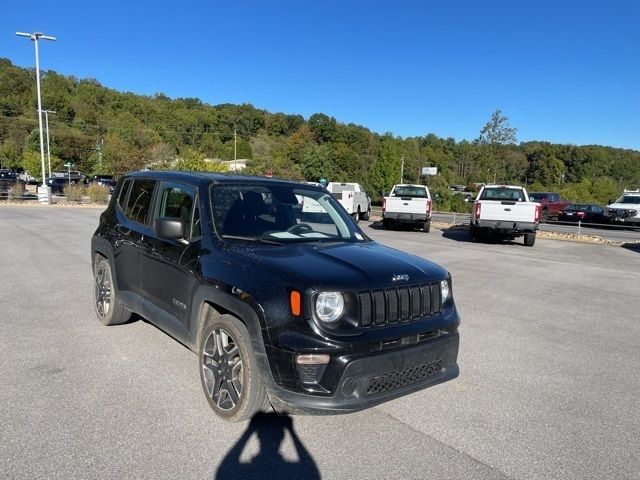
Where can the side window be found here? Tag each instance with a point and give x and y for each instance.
(177, 200)
(122, 198)
(140, 200)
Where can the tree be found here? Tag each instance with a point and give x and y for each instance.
(497, 131)
(32, 163)
(10, 154)
(494, 135)
(193, 160)
(385, 171)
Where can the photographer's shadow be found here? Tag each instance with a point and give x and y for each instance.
(270, 429)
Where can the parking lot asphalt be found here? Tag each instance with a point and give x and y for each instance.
(549, 385)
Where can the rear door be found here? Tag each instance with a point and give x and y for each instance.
(132, 212)
(168, 266)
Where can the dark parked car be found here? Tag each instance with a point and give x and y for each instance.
(301, 317)
(8, 180)
(583, 212)
(104, 181)
(57, 185)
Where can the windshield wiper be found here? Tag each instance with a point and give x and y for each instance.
(252, 239)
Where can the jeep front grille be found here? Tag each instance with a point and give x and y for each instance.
(402, 304)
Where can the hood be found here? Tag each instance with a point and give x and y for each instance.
(625, 206)
(346, 266)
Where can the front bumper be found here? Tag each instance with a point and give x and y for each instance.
(370, 379)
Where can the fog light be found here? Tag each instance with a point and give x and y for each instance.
(312, 359)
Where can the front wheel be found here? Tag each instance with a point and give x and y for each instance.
(229, 371)
(529, 239)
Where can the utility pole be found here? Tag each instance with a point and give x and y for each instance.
(100, 148)
(46, 117)
(235, 148)
(402, 169)
(35, 38)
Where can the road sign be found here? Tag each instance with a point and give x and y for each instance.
(429, 170)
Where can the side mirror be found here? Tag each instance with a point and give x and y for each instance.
(169, 227)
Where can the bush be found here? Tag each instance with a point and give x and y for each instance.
(97, 193)
(16, 192)
(74, 193)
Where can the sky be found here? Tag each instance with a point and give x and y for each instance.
(561, 71)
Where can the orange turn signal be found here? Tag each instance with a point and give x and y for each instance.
(296, 302)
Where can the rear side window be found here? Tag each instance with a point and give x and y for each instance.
(140, 200)
(122, 198)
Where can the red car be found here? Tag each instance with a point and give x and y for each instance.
(551, 203)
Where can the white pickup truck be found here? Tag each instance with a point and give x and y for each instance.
(407, 205)
(504, 211)
(353, 198)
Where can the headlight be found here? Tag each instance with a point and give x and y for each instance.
(445, 291)
(329, 306)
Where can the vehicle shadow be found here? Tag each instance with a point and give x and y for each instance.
(270, 429)
(634, 247)
(457, 233)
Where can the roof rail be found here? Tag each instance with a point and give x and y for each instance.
(630, 191)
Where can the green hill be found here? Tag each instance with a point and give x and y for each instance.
(102, 130)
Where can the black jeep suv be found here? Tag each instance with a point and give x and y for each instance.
(305, 317)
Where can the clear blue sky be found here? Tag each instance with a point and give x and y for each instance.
(562, 71)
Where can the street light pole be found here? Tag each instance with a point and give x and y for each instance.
(35, 37)
(46, 121)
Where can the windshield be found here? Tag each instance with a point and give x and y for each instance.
(577, 207)
(538, 196)
(498, 193)
(282, 214)
(419, 192)
(633, 199)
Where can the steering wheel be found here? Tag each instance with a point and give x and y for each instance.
(299, 226)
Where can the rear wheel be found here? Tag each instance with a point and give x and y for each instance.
(229, 371)
(475, 234)
(106, 300)
(356, 216)
(544, 216)
(367, 215)
(529, 239)
(427, 226)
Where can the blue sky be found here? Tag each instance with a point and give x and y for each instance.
(562, 71)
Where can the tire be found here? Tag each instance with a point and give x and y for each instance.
(386, 224)
(234, 391)
(106, 300)
(427, 226)
(544, 216)
(529, 239)
(356, 216)
(367, 215)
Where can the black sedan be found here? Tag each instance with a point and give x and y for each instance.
(583, 212)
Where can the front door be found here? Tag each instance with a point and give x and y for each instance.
(168, 265)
